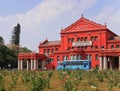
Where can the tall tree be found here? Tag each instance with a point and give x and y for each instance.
(16, 35)
(15, 41)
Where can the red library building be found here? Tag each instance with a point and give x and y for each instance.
(84, 39)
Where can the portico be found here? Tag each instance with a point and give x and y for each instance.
(31, 60)
(109, 59)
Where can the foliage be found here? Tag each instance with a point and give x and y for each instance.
(1, 83)
(16, 35)
(68, 80)
(7, 57)
(15, 40)
(39, 81)
(24, 50)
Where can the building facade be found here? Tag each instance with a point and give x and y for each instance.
(83, 39)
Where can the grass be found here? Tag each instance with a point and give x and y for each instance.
(66, 80)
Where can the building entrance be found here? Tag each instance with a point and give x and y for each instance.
(115, 62)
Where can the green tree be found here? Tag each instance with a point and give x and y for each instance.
(7, 57)
(16, 35)
(15, 40)
(24, 50)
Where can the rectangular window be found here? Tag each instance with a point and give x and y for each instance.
(77, 57)
(96, 57)
(85, 39)
(69, 40)
(90, 57)
(87, 58)
(58, 58)
(72, 40)
(96, 38)
(117, 46)
(81, 38)
(52, 60)
(78, 39)
(73, 57)
(48, 50)
(112, 46)
(52, 50)
(63, 58)
(66, 57)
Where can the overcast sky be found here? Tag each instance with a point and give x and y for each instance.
(41, 19)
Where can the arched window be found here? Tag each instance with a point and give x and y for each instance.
(68, 40)
(92, 38)
(56, 49)
(72, 40)
(52, 50)
(44, 50)
(85, 39)
(96, 38)
(78, 39)
(48, 51)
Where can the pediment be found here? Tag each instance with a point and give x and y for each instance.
(83, 24)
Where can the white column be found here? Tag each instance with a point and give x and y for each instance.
(34, 64)
(105, 63)
(119, 62)
(19, 64)
(100, 63)
(31, 64)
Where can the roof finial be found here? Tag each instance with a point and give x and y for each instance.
(105, 24)
(46, 39)
(82, 16)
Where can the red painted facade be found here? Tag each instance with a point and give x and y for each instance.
(101, 42)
